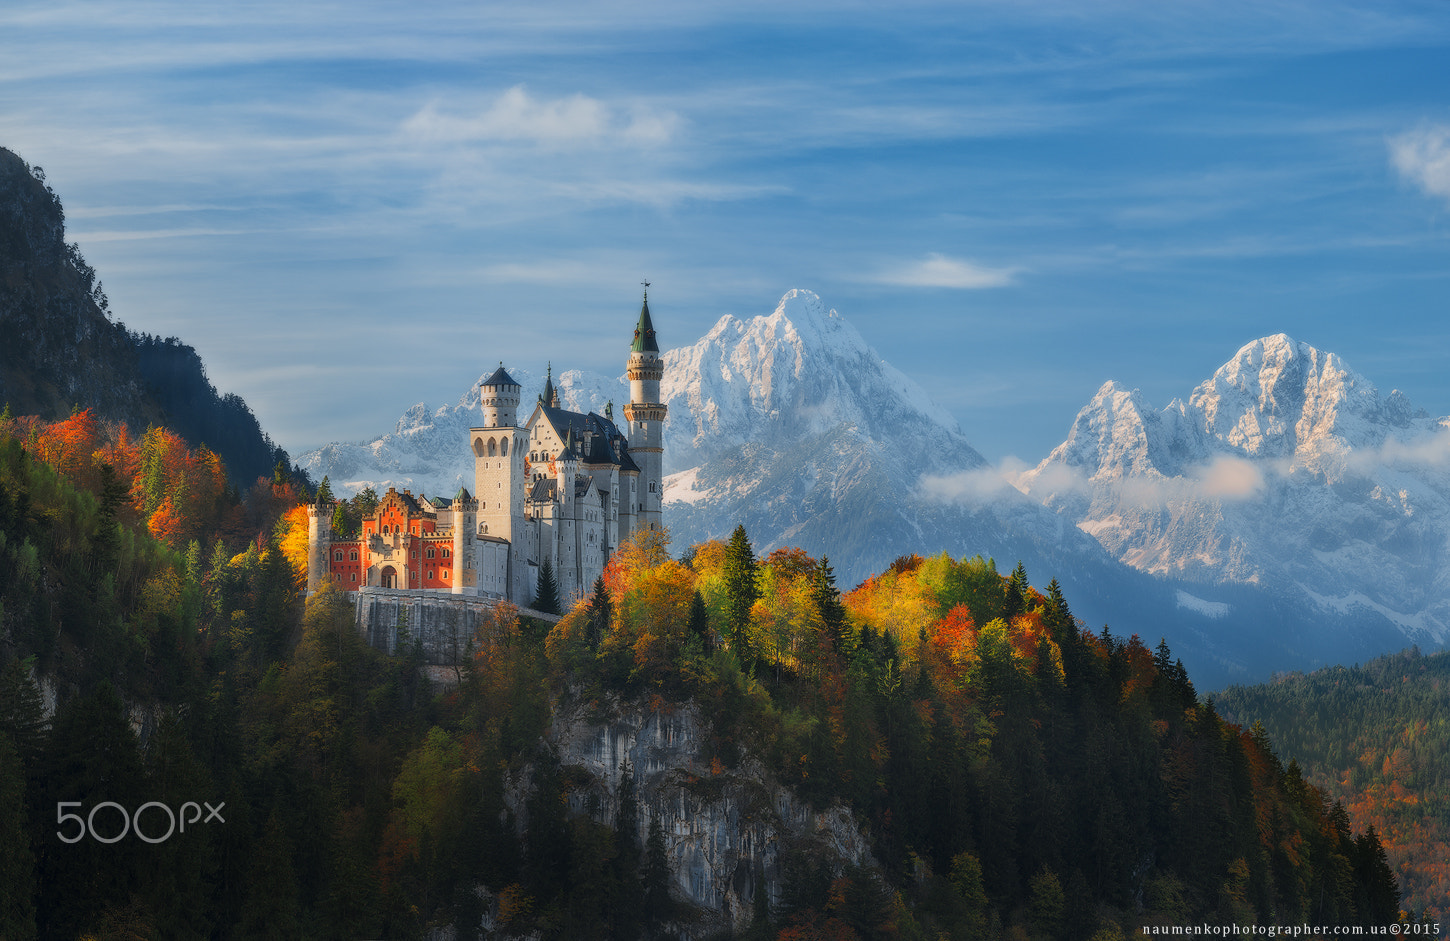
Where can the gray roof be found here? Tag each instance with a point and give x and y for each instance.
(500, 377)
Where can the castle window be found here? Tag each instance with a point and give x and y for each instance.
(354, 576)
(651, 486)
(430, 575)
(444, 574)
(504, 447)
(337, 556)
(352, 556)
(447, 553)
(430, 553)
(492, 447)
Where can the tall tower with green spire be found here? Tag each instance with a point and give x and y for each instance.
(645, 414)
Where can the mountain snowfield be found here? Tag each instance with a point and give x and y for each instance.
(1285, 470)
(1286, 516)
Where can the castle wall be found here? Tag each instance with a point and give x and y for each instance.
(442, 623)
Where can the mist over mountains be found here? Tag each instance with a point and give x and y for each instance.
(1285, 470)
(1283, 517)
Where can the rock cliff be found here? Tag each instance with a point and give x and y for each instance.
(720, 825)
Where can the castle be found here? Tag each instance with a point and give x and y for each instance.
(562, 487)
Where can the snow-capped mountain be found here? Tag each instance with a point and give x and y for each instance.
(791, 424)
(1285, 470)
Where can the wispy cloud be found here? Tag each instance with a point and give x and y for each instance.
(516, 115)
(1422, 156)
(941, 271)
(1226, 478)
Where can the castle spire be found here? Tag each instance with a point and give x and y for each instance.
(644, 333)
(550, 395)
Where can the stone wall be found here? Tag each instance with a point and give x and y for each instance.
(444, 623)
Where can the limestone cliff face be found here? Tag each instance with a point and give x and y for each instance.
(719, 828)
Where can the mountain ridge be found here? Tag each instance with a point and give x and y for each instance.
(1284, 446)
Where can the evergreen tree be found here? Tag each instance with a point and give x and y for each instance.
(22, 716)
(700, 623)
(17, 863)
(601, 613)
(324, 493)
(341, 526)
(366, 502)
(657, 905)
(1379, 894)
(742, 590)
(546, 593)
(272, 909)
(626, 906)
(91, 758)
(1017, 593)
(828, 604)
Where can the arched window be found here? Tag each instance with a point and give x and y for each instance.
(651, 486)
(337, 556)
(478, 447)
(492, 447)
(430, 552)
(352, 555)
(504, 447)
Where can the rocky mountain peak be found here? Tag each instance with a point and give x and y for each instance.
(1278, 396)
(801, 370)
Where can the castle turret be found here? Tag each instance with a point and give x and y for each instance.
(499, 448)
(465, 530)
(319, 545)
(499, 396)
(646, 416)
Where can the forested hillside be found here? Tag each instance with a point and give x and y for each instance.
(1376, 738)
(1017, 775)
(61, 350)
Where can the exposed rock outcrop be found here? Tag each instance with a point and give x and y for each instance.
(720, 825)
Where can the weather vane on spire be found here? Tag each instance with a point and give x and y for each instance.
(646, 289)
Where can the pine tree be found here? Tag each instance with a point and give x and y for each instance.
(546, 594)
(365, 502)
(742, 590)
(22, 716)
(1017, 593)
(91, 757)
(657, 905)
(828, 603)
(700, 623)
(601, 613)
(17, 862)
(324, 493)
(625, 907)
(340, 525)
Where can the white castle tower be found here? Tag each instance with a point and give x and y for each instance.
(646, 416)
(499, 448)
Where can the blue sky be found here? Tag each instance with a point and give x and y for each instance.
(351, 207)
